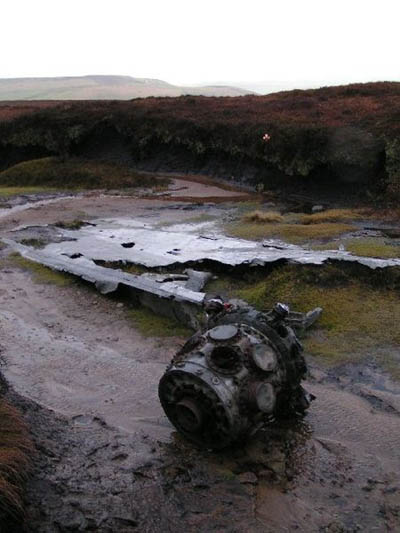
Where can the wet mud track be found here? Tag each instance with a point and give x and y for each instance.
(107, 459)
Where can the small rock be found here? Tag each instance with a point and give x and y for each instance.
(317, 208)
(120, 304)
(248, 478)
(390, 490)
(278, 467)
(367, 488)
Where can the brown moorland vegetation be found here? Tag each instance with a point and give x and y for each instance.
(330, 136)
(15, 452)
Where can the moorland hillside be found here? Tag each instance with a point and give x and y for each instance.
(345, 137)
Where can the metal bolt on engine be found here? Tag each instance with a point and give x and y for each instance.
(244, 369)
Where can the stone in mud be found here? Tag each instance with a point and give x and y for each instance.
(248, 478)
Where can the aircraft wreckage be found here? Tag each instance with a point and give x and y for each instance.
(240, 370)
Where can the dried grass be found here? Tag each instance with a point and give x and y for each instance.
(15, 456)
(293, 233)
(263, 217)
(333, 215)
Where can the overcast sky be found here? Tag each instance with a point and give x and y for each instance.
(189, 42)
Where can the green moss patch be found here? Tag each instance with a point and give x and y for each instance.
(151, 325)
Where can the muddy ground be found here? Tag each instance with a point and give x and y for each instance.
(107, 458)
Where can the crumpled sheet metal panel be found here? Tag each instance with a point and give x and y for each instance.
(155, 247)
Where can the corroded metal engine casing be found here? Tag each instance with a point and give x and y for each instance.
(227, 380)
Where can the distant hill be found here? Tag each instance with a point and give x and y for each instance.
(102, 88)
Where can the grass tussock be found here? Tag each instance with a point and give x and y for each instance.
(293, 233)
(333, 215)
(263, 217)
(151, 325)
(15, 453)
(75, 173)
(258, 225)
(41, 274)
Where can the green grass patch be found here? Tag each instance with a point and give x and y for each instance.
(358, 319)
(372, 248)
(293, 233)
(151, 325)
(75, 173)
(41, 273)
(7, 192)
(368, 247)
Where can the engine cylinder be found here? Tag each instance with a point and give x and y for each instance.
(227, 379)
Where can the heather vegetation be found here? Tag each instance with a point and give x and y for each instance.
(324, 137)
(15, 457)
